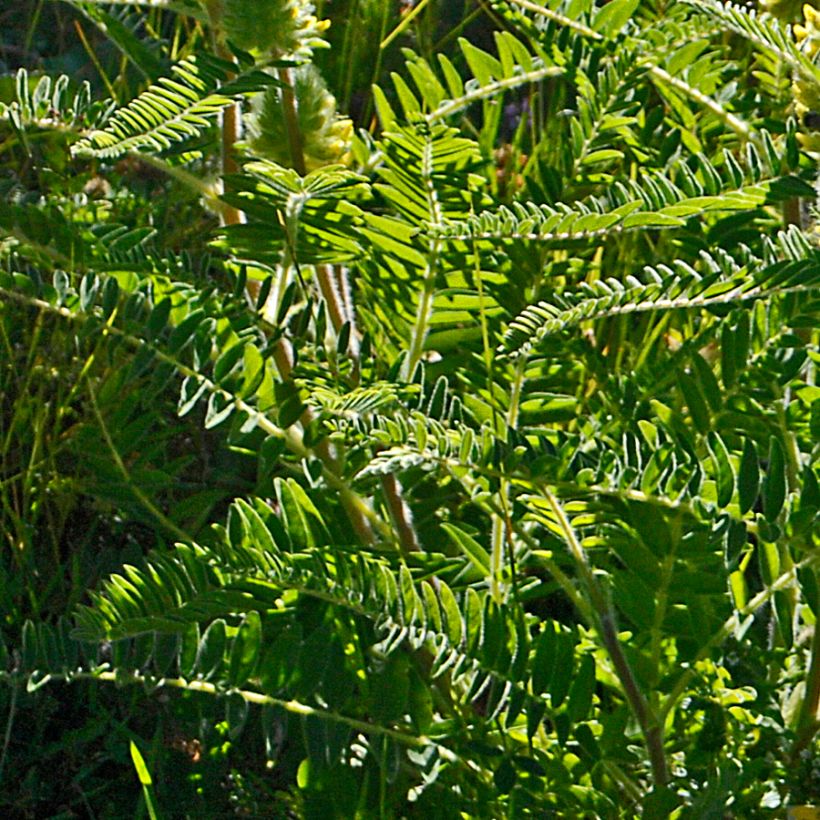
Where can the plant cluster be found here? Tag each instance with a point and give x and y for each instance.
(452, 456)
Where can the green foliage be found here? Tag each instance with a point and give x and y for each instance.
(462, 465)
(173, 110)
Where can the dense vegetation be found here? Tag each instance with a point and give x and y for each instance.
(408, 410)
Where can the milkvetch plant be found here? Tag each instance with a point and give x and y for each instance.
(512, 390)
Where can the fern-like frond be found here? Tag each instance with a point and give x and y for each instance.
(310, 219)
(358, 403)
(439, 98)
(606, 116)
(655, 201)
(173, 110)
(174, 327)
(482, 647)
(152, 659)
(429, 174)
(764, 31)
(664, 289)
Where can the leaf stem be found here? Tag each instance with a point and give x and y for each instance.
(739, 126)
(146, 502)
(425, 306)
(400, 514)
(561, 19)
(293, 707)
(651, 727)
(785, 581)
(807, 722)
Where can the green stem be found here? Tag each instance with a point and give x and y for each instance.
(231, 127)
(163, 519)
(667, 569)
(423, 312)
(405, 22)
(492, 91)
(400, 514)
(502, 522)
(651, 726)
(561, 19)
(291, 436)
(425, 306)
(9, 725)
(807, 722)
(741, 128)
(293, 707)
(785, 581)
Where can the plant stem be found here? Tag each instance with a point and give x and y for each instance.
(739, 126)
(647, 720)
(160, 516)
(342, 280)
(283, 357)
(420, 327)
(231, 129)
(400, 514)
(651, 727)
(293, 707)
(405, 22)
(501, 529)
(231, 124)
(9, 726)
(297, 154)
(784, 581)
(328, 286)
(561, 19)
(425, 306)
(340, 311)
(807, 722)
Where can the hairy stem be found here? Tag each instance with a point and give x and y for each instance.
(231, 132)
(400, 514)
(739, 126)
(328, 286)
